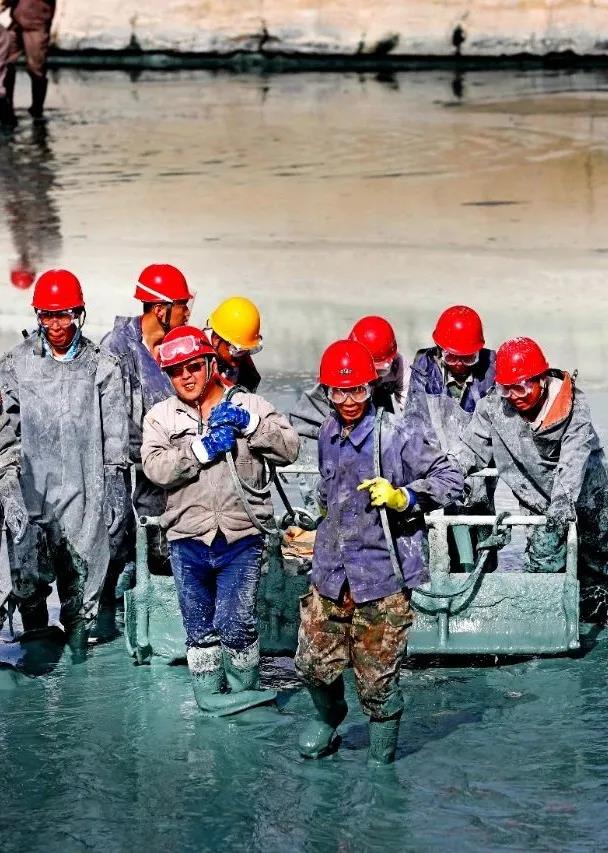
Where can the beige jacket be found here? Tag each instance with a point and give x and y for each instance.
(202, 498)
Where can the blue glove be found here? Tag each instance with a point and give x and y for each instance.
(219, 440)
(227, 414)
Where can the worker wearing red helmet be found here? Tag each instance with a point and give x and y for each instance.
(448, 380)
(358, 609)
(166, 303)
(65, 398)
(537, 429)
(390, 389)
(207, 446)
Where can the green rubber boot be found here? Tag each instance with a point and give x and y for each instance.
(243, 676)
(383, 740)
(209, 681)
(318, 737)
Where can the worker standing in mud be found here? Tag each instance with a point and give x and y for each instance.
(447, 381)
(537, 428)
(207, 447)
(29, 33)
(233, 330)
(389, 391)
(358, 609)
(64, 397)
(166, 301)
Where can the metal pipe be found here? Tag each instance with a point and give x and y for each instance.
(485, 520)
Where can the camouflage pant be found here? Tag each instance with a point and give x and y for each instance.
(370, 637)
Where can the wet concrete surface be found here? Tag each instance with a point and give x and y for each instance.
(322, 198)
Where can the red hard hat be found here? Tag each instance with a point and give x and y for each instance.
(183, 344)
(22, 278)
(459, 331)
(57, 290)
(162, 283)
(346, 364)
(378, 336)
(519, 359)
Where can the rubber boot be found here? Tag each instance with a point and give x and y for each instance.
(8, 119)
(77, 637)
(34, 616)
(318, 737)
(243, 676)
(39, 87)
(209, 684)
(383, 740)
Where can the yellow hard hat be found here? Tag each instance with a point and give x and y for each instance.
(237, 320)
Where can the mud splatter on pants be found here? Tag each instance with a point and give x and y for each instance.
(371, 637)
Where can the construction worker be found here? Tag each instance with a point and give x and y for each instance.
(447, 381)
(358, 609)
(207, 447)
(29, 33)
(537, 429)
(65, 399)
(166, 300)
(389, 391)
(233, 330)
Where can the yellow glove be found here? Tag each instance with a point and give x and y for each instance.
(382, 493)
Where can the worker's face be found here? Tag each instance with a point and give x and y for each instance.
(528, 396)
(460, 366)
(350, 403)
(222, 348)
(189, 379)
(176, 314)
(59, 327)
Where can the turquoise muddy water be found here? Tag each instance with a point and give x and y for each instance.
(323, 198)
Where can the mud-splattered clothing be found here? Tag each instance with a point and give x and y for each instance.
(313, 407)
(350, 544)
(429, 376)
(558, 470)
(371, 637)
(217, 588)
(72, 422)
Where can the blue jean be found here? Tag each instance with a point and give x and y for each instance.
(217, 588)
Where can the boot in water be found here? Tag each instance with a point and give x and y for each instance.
(383, 736)
(210, 681)
(8, 119)
(319, 737)
(243, 676)
(39, 87)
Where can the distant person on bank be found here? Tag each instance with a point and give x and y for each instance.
(29, 33)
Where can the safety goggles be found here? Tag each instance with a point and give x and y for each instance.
(518, 391)
(240, 352)
(383, 368)
(358, 395)
(189, 367)
(451, 358)
(170, 350)
(63, 319)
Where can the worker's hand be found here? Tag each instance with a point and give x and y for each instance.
(227, 414)
(15, 511)
(219, 440)
(383, 494)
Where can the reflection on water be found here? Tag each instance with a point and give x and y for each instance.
(322, 197)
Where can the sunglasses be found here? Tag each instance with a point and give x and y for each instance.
(190, 367)
(358, 395)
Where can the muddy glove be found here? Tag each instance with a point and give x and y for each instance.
(219, 440)
(227, 414)
(117, 501)
(383, 494)
(15, 511)
(558, 517)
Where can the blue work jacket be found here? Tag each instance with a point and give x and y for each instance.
(350, 544)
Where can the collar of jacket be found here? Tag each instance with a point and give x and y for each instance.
(562, 405)
(359, 433)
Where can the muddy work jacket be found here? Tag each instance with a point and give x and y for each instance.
(202, 499)
(313, 406)
(350, 545)
(558, 470)
(33, 14)
(71, 419)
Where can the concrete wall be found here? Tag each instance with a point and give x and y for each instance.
(416, 27)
